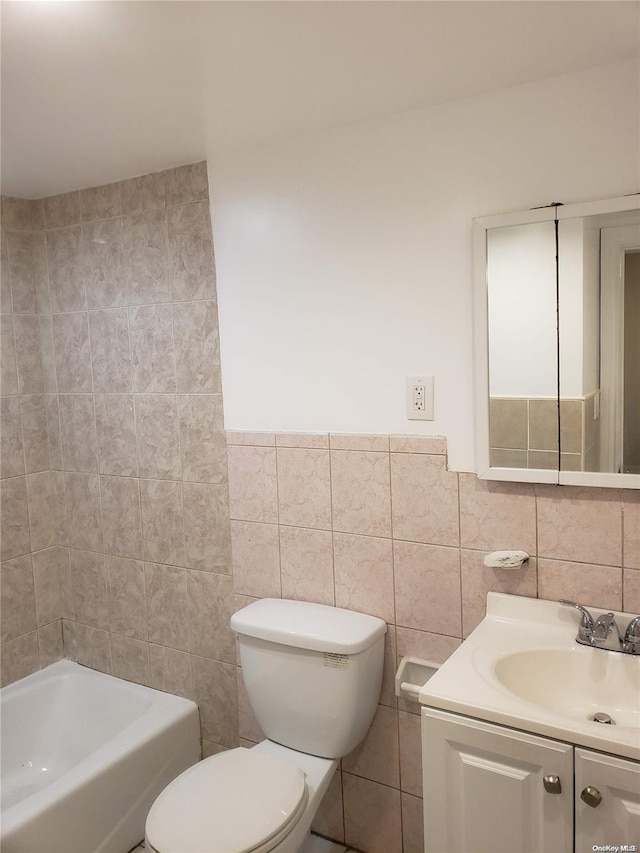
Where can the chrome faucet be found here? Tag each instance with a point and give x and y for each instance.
(604, 632)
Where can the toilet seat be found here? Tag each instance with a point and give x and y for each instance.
(238, 801)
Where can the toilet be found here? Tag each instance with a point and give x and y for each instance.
(313, 675)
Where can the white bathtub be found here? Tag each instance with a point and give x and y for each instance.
(84, 755)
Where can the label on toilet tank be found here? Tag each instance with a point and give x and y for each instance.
(336, 660)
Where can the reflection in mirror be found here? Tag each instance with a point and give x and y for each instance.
(523, 364)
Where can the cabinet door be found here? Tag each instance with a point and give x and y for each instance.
(484, 788)
(615, 819)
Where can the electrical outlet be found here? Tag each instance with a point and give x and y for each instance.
(419, 396)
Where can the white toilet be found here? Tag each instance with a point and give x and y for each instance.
(313, 676)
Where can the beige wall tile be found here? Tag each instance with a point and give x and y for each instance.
(158, 436)
(202, 439)
(130, 659)
(195, 332)
(251, 437)
(104, 273)
(345, 441)
(415, 479)
(306, 559)
(214, 689)
(210, 605)
(47, 567)
(14, 518)
(427, 587)
(497, 515)
(581, 524)
(100, 202)
(162, 522)
(361, 495)
(329, 819)
(18, 598)
(90, 601)
(47, 351)
(72, 352)
(186, 184)
(54, 438)
(111, 351)
(127, 602)
(543, 425)
(170, 670)
(8, 364)
(50, 643)
(121, 519)
(66, 279)
(364, 574)
(547, 460)
(20, 657)
(304, 487)
(78, 433)
(153, 360)
(143, 193)
(478, 580)
(631, 591)
(167, 610)
(16, 213)
(410, 732)
(191, 252)
(61, 210)
(146, 257)
(26, 328)
(571, 426)
(389, 667)
(631, 510)
(312, 440)
(508, 425)
(84, 511)
(371, 815)
(12, 457)
(33, 415)
(591, 585)
(206, 527)
(377, 756)
(412, 824)
(117, 435)
(41, 510)
(256, 559)
(93, 647)
(253, 491)
(422, 644)
(60, 507)
(434, 445)
(22, 272)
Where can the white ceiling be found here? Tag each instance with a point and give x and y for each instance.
(100, 90)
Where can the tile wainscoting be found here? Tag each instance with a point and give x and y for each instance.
(379, 524)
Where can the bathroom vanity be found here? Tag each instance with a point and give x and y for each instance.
(513, 759)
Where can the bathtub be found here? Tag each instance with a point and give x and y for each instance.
(84, 755)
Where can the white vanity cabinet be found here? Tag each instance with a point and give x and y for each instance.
(491, 789)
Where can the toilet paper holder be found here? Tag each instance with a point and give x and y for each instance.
(413, 673)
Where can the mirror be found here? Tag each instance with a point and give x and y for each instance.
(557, 323)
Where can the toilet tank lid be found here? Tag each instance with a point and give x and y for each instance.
(316, 627)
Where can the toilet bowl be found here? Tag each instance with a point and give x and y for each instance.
(313, 675)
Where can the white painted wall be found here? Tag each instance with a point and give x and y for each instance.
(344, 257)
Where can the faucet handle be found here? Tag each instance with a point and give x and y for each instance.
(587, 625)
(631, 642)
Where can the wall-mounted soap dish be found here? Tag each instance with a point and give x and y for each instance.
(412, 675)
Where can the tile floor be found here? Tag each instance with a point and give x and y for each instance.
(315, 844)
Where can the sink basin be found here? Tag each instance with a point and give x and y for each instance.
(577, 683)
(522, 668)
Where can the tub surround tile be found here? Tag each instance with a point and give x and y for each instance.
(127, 602)
(111, 351)
(167, 607)
(42, 523)
(33, 417)
(78, 433)
(16, 213)
(50, 643)
(101, 202)
(191, 252)
(197, 346)
(214, 689)
(146, 258)
(130, 659)
(14, 518)
(47, 352)
(92, 647)
(202, 440)
(158, 436)
(28, 361)
(12, 456)
(66, 268)
(364, 574)
(142, 193)
(8, 363)
(186, 184)
(116, 435)
(170, 670)
(104, 272)
(210, 605)
(360, 492)
(153, 359)
(162, 522)
(18, 608)
(22, 272)
(61, 210)
(206, 527)
(84, 510)
(20, 657)
(121, 518)
(90, 600)
(73, 352)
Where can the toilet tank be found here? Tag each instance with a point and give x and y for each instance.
(312, 672)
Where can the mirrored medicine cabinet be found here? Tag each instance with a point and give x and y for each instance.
(557, 344)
